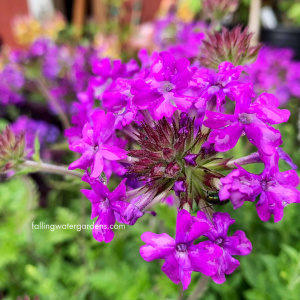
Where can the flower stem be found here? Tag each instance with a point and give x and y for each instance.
(249, 159)
(53, 101)
(48, 168)
(200, 288)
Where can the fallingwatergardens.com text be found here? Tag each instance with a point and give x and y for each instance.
(78, 227)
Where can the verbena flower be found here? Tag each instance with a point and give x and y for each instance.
(276, 189)
(33, 129)
(94, 145)
(251, 118)
(106, 71)
(274, 72)
(173, 154)
(181, 255)
(215, 87)
(11, 82)
(107, 207)
(118, 100)
(237, 244)
(162, 91)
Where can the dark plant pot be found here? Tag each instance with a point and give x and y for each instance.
(283, 37)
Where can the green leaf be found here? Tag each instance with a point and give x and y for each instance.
(36, 156)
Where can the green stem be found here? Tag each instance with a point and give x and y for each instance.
(61, 114)
(53, 169)
(200, 288)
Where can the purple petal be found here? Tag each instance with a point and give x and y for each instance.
(238, 244)
(217, 120)
(158, 246)
(119, 192)
(112, 152)
(83, 162)
(203, 257)
(226, 138)
(284, 156)
(184, 268)
(94, 199)
(265, 106)
(226, 265)
(187, 230)
(97, 166)
(104, 232)
(264, 137)
(103, 125)
(171, 268)
(221, 222)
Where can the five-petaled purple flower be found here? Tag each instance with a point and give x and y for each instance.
(237, 244)
(251, 118)
(94, 145)
(276, 189)
(108, 207)
(180, 254)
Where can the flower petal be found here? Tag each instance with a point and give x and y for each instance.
(158, 246)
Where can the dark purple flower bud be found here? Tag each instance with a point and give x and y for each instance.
(190, 159)
(172, 169)
(179, 187)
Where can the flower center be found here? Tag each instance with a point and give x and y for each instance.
(266, 184)
(245, 118)
(181, 247)
(219, 241)
(165, 87)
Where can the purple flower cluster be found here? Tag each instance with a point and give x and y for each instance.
(276, 189)
(212, 257)
(174, 118)
(44, 132)
(275, 72)
(96, 144)
(159, 126)
(11, 82)
(179, 38)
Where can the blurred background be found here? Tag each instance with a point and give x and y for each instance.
(70, 264)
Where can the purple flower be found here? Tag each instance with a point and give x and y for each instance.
(162, 91)
(94, 145)
(107, 207)
(237, 244)
(40, 47)
(11, 82)
(81, 114)
(275, 72)
(107, 72)
(45, 133)
(276, 189)
(180, 254)
(253, 119)
(216, 86)
(180, 38)
(118, 100)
